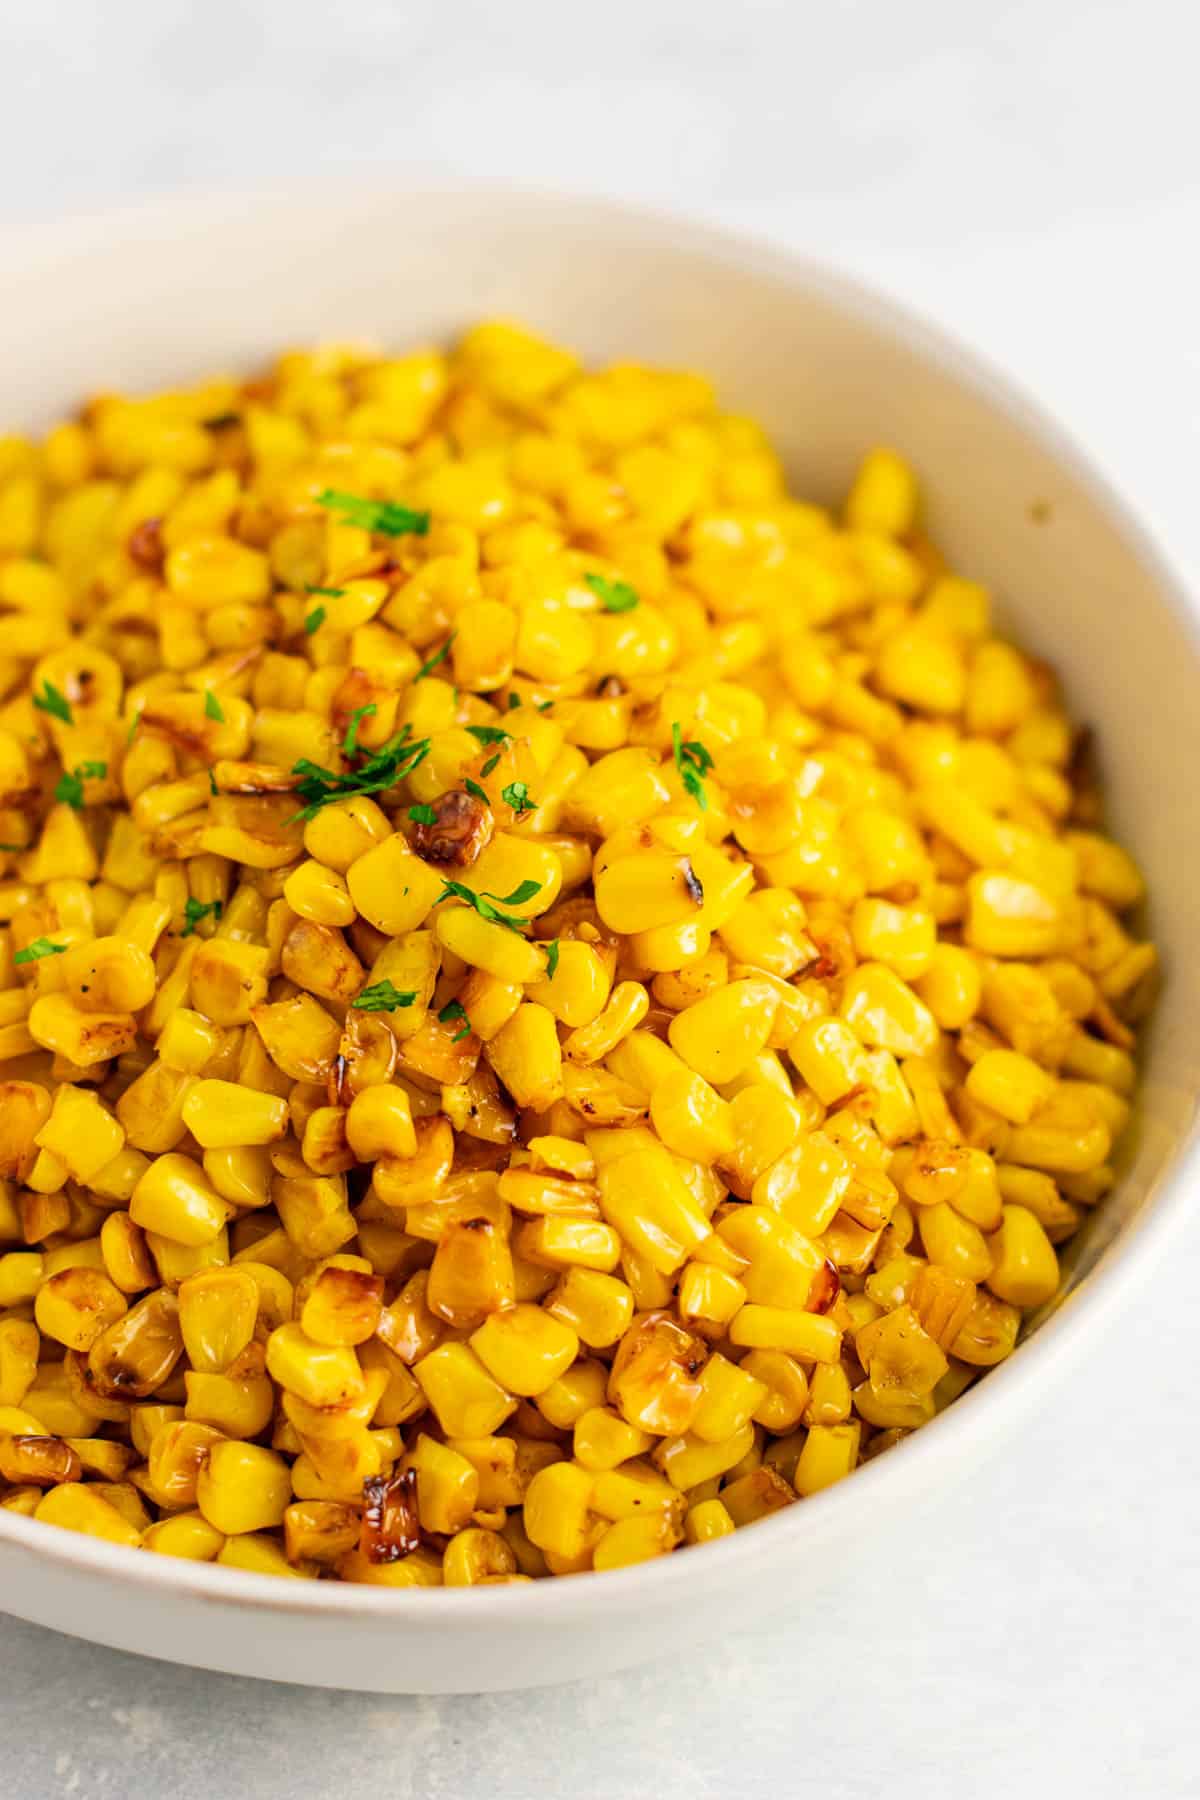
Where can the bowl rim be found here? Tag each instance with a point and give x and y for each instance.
(989, 1408)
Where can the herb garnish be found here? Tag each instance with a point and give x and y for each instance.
(454, 1009)
(474, 789)
(52, 702)
(350, 741)
(422, 815)
(383, 769)
(614, 596)
(439, 656)
(195, 910)
(212, 707)
(382, 996)
(693, 762)
(552, 959)
(385, 516)
(483, 903)
(516, 795)
(314, 620)
(69, 788)
(40, 947)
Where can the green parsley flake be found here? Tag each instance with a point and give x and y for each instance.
(693, 762)
(40, 947)
(52, 702)
(514, 702)
(69, 789)
(212, 707)
(213, 789)
(314, 620)
(516, 795)
(382, 997)
(488, 734)
(195, 910)
(488, 905)
(552, 959)
(328, 593)
(350, 741)
(132, 732)
(454, 1009)
(384, 516)
(490, 764)
(386, 766)
(439, 656)
(474, 789)
(614, 596)
(422, 815)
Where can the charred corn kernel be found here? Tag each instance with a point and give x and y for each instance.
(756, 1494)
(188, 1535)
(177, 1453)
(829, 1453)
(342, 1306)
(243, 1487)
(1024, 1267)
(75, 1306)
(218, 1309)
(174, 1199)
(79, 1508)
(467, 1400)
(84, 1038)
(803, 1334)
(525, 1349)
(1011, 1084)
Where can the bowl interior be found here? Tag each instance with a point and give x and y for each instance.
(175, 291)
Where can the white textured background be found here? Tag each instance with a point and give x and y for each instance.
(1029, 174)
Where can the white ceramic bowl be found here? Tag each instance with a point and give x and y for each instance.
(145, 298)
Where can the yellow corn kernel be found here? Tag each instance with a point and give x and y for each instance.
(236, 1407)
(243, 1487)
(804, 1334)
(883, 497)
(898, 1353)
(603, 1439)
(188, 1535)
(829, 1453)
(557, 1510)
(80, 1508)
(224, 1115)
(18, 1359)
(644, 1198)
(785, 1268)
(709, 1297)
(525, 1349)
(691, 1118)
(85, 1038)
(526, 1057)
(175, 1200)
(80, 1133)
(635, 1540)
(1024, 1268)
(720, 1035)
(379, 1123)
(466, 1398)
(730, 1398)
(321, 1374)
(1011, 1084)
(954, 1242)
(447, 1485)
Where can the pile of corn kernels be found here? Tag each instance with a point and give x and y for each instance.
(553, 997)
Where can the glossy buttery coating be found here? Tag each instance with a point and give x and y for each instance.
(553, 997)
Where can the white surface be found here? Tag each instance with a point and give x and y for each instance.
(1030, 178)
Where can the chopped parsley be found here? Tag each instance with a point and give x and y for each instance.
(454, 1009)
(516, 795)
(326, 593)
(195, 910)
(52, 702)
(614, 596)
(386, 766)
(552, 959)
(693, 762)
(474, 789)
(514, 702)
(544, 705)
(314, 620)
(385, 516)
(488, 734)
(40, 947)
(69, 789)
(490, 764)
(133, 725)
(422, 815)
(212, 707)
(350, 741)
(382, 996)
(213, 789)
(439, 656)
(488, 905)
